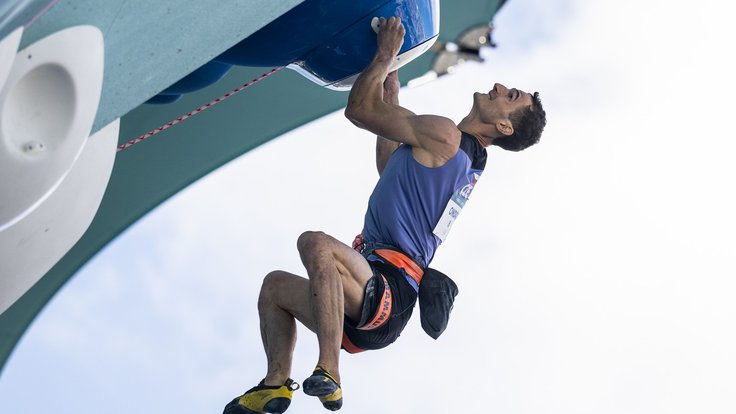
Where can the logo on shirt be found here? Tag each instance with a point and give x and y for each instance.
(453, 208)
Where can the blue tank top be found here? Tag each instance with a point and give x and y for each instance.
(413, 207)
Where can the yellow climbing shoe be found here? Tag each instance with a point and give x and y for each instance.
(321, 384)
(263, 399)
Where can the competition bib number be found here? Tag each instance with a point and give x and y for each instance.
(454, 207)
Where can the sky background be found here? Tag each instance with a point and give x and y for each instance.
(596, 270)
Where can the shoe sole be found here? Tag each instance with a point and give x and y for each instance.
(276, 406)
(332, 405)
(318, 387)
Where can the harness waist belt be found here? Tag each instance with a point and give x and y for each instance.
(403, 261)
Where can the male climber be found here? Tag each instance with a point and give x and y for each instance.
(357, 302)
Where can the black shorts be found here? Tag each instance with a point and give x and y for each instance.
(387, 306)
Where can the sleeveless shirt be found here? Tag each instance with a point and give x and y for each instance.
(413, 207)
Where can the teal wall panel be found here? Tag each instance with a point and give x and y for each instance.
(149, 44)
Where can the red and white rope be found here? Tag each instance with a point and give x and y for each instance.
(41, 12)
(196, 111)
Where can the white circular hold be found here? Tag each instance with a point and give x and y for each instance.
(375, 24)
(47, 107)
(40, 109)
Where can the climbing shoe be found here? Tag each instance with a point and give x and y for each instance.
(322, 385)
(263, 399)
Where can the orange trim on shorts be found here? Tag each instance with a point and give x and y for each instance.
(349, 345)
(384, 309)
(403, 261)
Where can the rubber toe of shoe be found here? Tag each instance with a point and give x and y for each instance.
(233, 407)
(275, 406)
(332, 405)
(318, 386)
(322, 385)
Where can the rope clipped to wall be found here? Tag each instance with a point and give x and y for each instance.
(196, 111)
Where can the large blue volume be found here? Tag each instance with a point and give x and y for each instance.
(328, 41)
